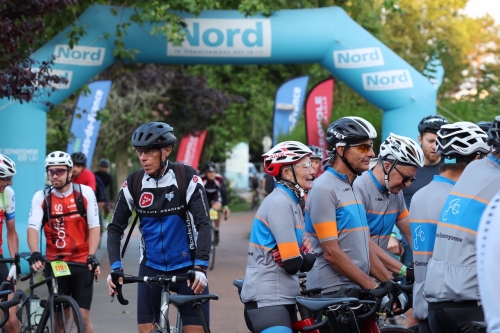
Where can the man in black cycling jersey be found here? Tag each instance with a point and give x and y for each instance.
(175, 228)
(107, 181)
(216, 194)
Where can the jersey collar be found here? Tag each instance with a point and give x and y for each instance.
(441, 179)
(494, 159)
(336, 174)
(381, 188)
(289, 192)
(64, 194)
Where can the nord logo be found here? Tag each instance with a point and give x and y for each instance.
(387, 80)
(224, 38)
(79, 55)
(68, 75)
(358, 58)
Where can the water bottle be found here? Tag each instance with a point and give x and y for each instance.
(36, 311)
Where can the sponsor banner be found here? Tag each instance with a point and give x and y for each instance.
(79, 55)
(358, 58)
(68, 75)
(288, 104)
(387, 80)
(247, 38)
(85, 126)
(190, 149)
(318, 111)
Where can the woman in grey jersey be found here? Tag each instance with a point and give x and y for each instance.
(278, 248)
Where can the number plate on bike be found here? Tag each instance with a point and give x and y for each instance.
(213, 214)
(60, 268)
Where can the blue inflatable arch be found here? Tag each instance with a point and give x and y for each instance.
(327, 36)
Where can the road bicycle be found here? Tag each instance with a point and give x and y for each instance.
(214, 215)
(194, 301)
(6, 288)
(59, 313)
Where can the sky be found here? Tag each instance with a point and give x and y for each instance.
(475, 8)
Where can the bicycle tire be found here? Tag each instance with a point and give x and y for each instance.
(395, 329)
(75, 319)
(211, 259)
(23, 311)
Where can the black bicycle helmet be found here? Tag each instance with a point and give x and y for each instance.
(79, 158)
(104, 162)
(349, 130)
(484, 125)
(494, 134)
(154, 135)
(209, 167)
(317, 153)
(432, 124)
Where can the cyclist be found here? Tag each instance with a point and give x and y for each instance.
(107, 181)
(175, 230)
(335, 218)
(269, 290)
(484, 125)
(458, 144)
(8, 213)
(82, 175)
(487, 263)
(451, 287)
(380, 191)
(216, 194)
(316, 158)
(267, 184)
(70, 230)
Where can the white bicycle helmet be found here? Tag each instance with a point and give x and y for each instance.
(7, 167)
(58, 158)
(403, 149)
(462, 138)
(284, 153)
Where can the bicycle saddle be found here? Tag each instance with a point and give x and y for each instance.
(318, 304)
(187, 299)
(238, 284)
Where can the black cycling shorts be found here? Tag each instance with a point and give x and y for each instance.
(259, 319)
(454, 316)
(4, 272)
(79, 285)
(149, 299)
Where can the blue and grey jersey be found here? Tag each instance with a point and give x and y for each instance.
(334, 211)
(451, 272)
(278, 224)
(175, 231)
(383, 209)
(426, 205)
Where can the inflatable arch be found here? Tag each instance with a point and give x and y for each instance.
(325, 35)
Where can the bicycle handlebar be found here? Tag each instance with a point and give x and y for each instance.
(5, 306)
(160, 280)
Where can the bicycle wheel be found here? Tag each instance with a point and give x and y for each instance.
(67, 317)
(211, 259)
(23, 311)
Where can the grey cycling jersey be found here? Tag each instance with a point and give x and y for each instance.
(278, 223)
(451, 272)
(426, 205)
(424, 176)
(334, 211)
(383, 209)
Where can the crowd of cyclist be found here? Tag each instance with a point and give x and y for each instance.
(334, 216)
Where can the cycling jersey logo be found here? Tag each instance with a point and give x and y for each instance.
(195, 179)
(146, 199)
(419, 236)
(124, 184)
(169, 196)
(454, 206)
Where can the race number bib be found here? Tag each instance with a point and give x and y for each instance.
(60, 268)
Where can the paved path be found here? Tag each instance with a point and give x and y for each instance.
(226, 313)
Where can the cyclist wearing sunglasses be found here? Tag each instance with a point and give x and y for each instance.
(335, 217)
(175, 230)
(67, 213)
(8, 214)
(458, 144)
(277, 240)
(451, 287)
(380, 191)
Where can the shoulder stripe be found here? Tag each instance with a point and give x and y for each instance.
(470, 197)
(262, 220)
(260, 246)
(457, 227)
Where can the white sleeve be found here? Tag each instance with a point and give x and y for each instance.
(10, 212)
(488, 269)
(92, 209)
(36, 212)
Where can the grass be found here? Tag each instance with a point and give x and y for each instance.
(241, 206)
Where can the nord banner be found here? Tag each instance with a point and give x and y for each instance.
(85, 126)
(190, 149)
(318, 111)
